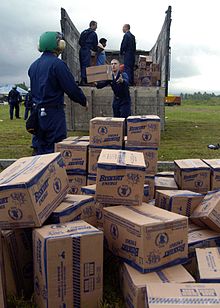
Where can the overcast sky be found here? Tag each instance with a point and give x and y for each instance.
(195, 39)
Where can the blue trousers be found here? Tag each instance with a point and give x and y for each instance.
(121, 107)
(13, 106)
(129, 62)
(85, 59)
(52, 129)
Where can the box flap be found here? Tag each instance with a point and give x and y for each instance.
(208, 260)
(191, 164)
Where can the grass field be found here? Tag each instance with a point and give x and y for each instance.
(189, 128)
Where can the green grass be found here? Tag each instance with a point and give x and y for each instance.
(189, 129)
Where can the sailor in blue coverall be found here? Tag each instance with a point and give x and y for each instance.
(128, 50)
(50, 78)
(120, 85)
(88, 42)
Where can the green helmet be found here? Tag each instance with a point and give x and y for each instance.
(51, 41)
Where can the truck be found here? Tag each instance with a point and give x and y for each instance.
(145, 100)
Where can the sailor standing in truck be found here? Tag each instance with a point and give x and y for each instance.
(128, 51)
(120, 85)
(50, 78)
(88, 42)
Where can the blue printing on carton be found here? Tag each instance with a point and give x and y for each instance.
(188, 299)
(87, 191)
(73, 207)
(106, 147)
(140, 148)
(143, 119)
(146, 191)
(162, 277)
(117, 167)
(153, 269)
(79, 172)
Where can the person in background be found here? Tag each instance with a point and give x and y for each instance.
(50, 78)
(14, 100)
(88, 42)
(101, 56)
(28, 104)
(120, 85)
(128, 51)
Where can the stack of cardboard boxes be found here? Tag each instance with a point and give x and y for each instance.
(147, 73)
(61, 266)
(165, 245)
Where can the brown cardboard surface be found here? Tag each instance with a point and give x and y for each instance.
(182, 202)
(208, 260)
(150, 157)
(208, 213)
(133, 283)
(146, 237)
(143, 131)
(120, 177)
(165, 183)
(94, 153)
(106, 131)
(2, 278)
(75, 207)
(192, 295)
(67, 267)
(76, 181)
(30, 189)
(192, 174)
(74, 154)
(98, 73)
(214, 164)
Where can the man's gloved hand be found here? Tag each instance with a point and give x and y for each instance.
(120, 79)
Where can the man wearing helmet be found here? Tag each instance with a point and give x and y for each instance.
(14, 100)
(50, 78)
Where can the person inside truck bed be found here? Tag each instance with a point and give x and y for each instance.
(88, 42)
(120, 85)
(128, 51)
(101, 56)
(50, 78)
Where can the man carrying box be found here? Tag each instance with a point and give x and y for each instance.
(120, 85)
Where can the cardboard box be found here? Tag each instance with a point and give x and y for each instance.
(98, 73)
(150, 180)
(19, 264)
(208, 213)
(30, 189)
(192, 174)
(200, 237)
(107, 131)
(150, 157)
(182, 202)
(75, 207)
(88, 190)
(192, 295)
(76, 181)
(2, 278)
(120, 177)
(208, 260)
(166, 174)
(100, 215)
(133, 283)
(67, 268)
(94, 153)
(143, 131)
(147, 59)
(146, 237)
(214, 165)
(91, 179)
(10, 279)
(74, 154)
(163, 183)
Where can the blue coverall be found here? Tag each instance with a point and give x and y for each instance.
(88, 41)
(14, 100)
(28, 103)
(122, 101)
(101, 58)
(50, 78)
(128, 50)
